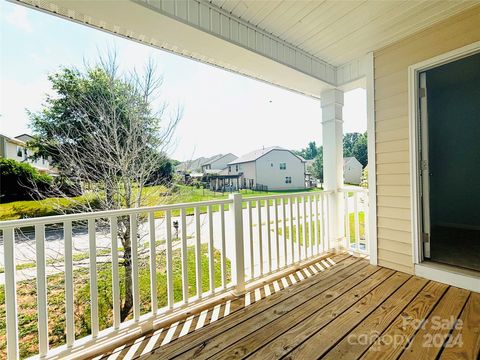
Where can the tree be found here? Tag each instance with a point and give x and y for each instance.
(310, 152)
(349, 140)
(360, 149)
(317, 167)
(102, 132)
(355, 144)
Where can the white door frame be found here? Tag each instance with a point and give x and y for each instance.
(416, 185)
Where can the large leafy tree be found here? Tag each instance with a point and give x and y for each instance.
(102, 132)
(355, 144)
(310, 152)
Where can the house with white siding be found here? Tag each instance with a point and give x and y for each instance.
(218, 162)
(273, 167)
(16, 148)
(352, 170)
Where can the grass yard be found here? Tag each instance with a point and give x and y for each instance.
(26, 293)
(361, 219)
(155, 195)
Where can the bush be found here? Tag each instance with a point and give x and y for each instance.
(364, 181)
(18, 181)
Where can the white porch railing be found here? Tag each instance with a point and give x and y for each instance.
(356, 219)
(248, 238)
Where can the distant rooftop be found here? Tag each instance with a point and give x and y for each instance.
(256, 154)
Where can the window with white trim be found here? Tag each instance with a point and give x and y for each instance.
(283, 166)
(288, 180)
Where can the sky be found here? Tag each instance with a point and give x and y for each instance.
(222, 112)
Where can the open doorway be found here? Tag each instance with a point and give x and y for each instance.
(449, 139)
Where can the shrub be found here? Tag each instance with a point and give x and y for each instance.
(18, 181)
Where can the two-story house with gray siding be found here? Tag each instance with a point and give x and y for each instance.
(274, 167)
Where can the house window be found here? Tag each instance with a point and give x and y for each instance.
(288, 180)
(271, 164)
(19, 151)
(229, 169)
(236, 168)
(25, 153)
(283, 166)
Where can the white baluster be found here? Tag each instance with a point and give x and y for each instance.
(41, 290)
(153, 263)
(10, 293)
(210, 250)
(115, 273)
(69, 302)
(198, 253)
(135, 274)
(169, 260)
(93, 277)
(184, 256)
(223, 258)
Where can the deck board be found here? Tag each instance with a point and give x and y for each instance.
(365, 333)
(342, 308)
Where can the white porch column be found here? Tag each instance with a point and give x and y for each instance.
(332, 136)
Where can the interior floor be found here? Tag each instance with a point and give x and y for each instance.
(455, 246)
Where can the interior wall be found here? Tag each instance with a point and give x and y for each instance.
(392, 129)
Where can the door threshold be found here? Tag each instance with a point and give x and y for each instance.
(450, 275)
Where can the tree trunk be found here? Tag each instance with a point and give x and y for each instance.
(127, 264)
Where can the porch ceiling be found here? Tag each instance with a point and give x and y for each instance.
(340, 31)
(304, 46)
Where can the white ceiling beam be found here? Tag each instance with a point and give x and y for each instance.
(218, 22)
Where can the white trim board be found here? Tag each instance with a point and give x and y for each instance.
(442, 274)
(372, 170)
(449, 275)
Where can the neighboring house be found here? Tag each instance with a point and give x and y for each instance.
(218, 162)
(352, 170)
(274, 167)
(201, 164)
(16, 149)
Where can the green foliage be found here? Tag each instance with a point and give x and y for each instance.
(163, 174)
(355, 145)
(317, 167)
(18, 179)
(310, 152)
(364, 180)
(79, 96)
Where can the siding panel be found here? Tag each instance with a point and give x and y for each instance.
(399, 202)
(392, 146)
(395, 235)
(392, 123)
(397, 168)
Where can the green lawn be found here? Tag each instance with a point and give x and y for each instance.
(361, 218)
(159, 195)
(26, 293)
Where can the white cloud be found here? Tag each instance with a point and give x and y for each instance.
(18, 17)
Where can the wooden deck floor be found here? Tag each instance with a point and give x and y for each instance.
(338, 308)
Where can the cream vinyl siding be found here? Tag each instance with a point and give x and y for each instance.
(392, 128)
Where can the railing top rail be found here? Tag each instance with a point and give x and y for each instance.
(286, 195)
(55, 219)
(354, 189)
